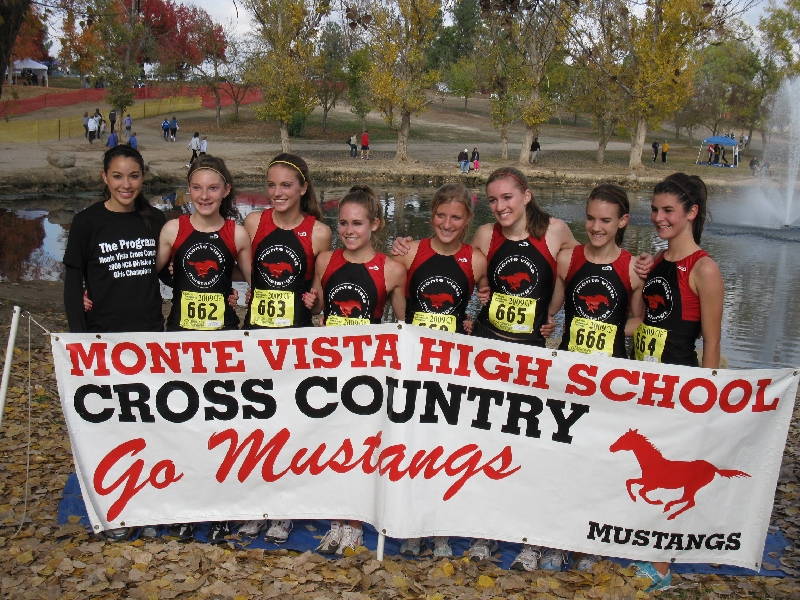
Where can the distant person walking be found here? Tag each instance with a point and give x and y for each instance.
(165, 128)
(365, 144)
(112, 117)
(113, 140)
(85, 121)
(476, 159)
(664, 150)
(535, 148)
(173, 128)
(710, 153)
(194, 146)
(655, 150)
(204, 145)
(353, 143)
(91, 128)
(128, 124)
(133, 142)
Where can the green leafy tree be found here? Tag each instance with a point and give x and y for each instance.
(458, 39)
(402, 30)
(462, 78)
(287, 31)
(330, 76)
(356, 75)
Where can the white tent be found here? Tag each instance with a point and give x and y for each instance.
(31, 65)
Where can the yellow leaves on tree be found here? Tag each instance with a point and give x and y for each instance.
(286, 29)
(403, 31)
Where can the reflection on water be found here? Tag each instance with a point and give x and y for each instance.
(761, 267)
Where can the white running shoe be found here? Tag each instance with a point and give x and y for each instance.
(351, 537)
(330, 542)
(411, 547)
(481, 550)
(252, 528)
(278, 531)
(553, 559)
(441, 546)
(528, 559)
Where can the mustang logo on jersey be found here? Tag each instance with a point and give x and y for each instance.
(594, 301)
(278, 265)
(203, 267)
(658, 299)
(595, 298)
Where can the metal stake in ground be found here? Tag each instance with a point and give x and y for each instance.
(12, 338)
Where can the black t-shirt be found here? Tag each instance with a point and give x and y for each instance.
(117, 255)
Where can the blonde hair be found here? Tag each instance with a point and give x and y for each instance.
(453, 192)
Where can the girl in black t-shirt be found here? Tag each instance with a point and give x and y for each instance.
(204, 248)
(111, 254)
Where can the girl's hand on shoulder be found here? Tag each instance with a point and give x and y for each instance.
(643, 265)
(401, 246)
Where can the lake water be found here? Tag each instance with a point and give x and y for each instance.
(760, 267)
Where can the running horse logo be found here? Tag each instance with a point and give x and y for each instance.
(594, 301)
(204, 266)
(661, 473)
(438, 300)
(277, 269)
(654, 300)
(515, 280)
(348, 306)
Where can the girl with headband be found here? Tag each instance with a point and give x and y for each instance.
(352, 285)
(204, 248)
(683, 297)
(286, 241)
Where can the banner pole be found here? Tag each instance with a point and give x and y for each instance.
(381, 544)
(12, 338)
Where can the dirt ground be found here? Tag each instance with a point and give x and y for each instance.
(437, 136)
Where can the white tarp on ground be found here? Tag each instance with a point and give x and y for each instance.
(421, 432)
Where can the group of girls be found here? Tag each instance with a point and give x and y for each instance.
(525, 266)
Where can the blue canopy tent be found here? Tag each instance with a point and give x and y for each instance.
(716, 159)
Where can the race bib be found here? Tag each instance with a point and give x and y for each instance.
(271, 308)
(335, 321)
(648, 343)
(434, 321)
(512, 313)
(591, 337)
(202, 311)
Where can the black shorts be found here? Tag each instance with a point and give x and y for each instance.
(365, 147)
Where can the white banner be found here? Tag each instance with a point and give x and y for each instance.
(420, 432)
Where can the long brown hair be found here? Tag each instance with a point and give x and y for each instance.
(613, 194)
(691, 191)
(309, 205)
(140, 203)
(536, 220)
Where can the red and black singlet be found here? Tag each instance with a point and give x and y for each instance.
(596, 305)
(354, 294)
(439, 287)
(283, 270)
(521, 278)
(671, 314)
(202, 268)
